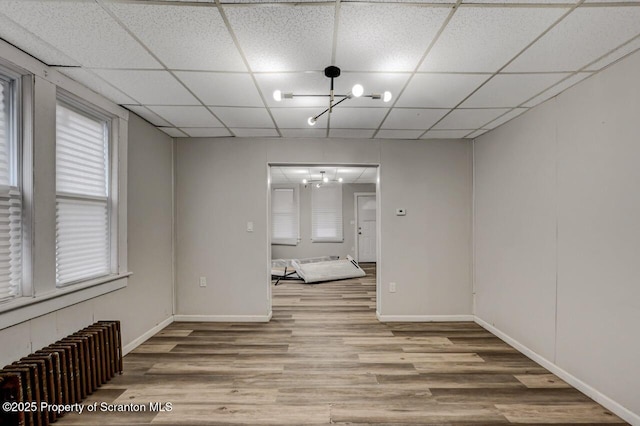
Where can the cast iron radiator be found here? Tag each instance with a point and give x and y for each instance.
(64, 372)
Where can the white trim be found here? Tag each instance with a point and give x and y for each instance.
(146, 336)
(27, 308)
(355, 208)
(592, 393)
(222, 318)
(424, 318)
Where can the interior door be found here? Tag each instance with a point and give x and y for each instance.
(366, 205)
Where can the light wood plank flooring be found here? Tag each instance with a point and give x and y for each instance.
(325, 359)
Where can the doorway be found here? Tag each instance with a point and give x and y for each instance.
(366, 229)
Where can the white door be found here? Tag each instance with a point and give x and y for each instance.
(366, 228)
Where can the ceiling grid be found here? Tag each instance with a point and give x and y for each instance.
(208, 68)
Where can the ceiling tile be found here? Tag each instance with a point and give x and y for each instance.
(187, 116)
(97, 84)
(478, 133)
(582, 37)
(27, 41)
(351, 133)
(183, 37)
(296, 118)
(398, 134)
(446, 134)
(149, 87)
(244, 117)
(483, 39)
(255, 133)
(511, 90)
(469, 118)
(558, 88)
(173, 132)
(278, 38)
(82, 30)
(223, 89)
(439, 90)
(206, 132)
(304, 83)
(357, 118)
(385, 37)
(303, 133)
(401, 118)
(508, 116)
(148, 115)
(373, 83)
(630, 47)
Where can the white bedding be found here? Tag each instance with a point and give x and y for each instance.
(329, 270)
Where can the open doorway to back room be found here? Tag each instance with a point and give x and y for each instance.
(323, 240)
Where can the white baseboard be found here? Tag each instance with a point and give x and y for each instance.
(222, 318)
(592, 393)
(140, 340)
(424, 318)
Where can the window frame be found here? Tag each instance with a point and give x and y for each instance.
(12, 79)
(82, 107)
(338, 238)
(296, 196)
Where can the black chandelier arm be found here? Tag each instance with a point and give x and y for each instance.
(331, 107)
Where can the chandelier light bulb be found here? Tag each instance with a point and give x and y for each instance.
(304, 181)
(386, 96)
(311, 121)
(357, 90)
(325, 179)
(317, 185)
(277, 95)
(340, 180)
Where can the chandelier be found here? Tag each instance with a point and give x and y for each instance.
(333, 72)
(319, 182)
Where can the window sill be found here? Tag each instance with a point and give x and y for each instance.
(26, 308)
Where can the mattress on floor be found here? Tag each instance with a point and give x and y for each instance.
(327, 270)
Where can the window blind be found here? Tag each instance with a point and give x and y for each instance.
(10, 203)
(82, 196)
(326, 213)
(284, 216)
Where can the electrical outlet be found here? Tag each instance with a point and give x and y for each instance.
(203, 281)
(392, 287)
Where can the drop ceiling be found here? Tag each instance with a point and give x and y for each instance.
(208, 69)
(295, 174)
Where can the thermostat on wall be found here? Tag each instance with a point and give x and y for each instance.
(401, 212)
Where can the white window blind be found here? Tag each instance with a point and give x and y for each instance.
(82, 196)
(284, 216)
(10, 198)
(326, 213)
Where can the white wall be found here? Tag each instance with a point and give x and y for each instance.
(557, 240)
(305, 247)
(147, 301)
(222, 184)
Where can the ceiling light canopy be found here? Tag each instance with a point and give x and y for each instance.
(333, 72)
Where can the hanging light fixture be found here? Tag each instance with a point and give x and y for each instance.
(319, 182)
(333, 72)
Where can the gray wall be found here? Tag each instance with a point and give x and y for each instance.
(222, 185)
(557, 231)
(147, 300)
(305, 247)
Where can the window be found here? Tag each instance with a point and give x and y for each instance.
(83, 219)
(326, 213)
(284, 216)
(10, 191)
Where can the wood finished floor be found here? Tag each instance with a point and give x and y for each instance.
(325, 359)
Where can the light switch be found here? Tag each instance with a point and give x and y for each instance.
(249, 226)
